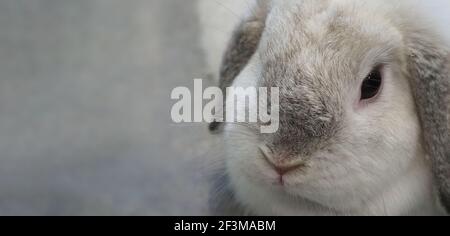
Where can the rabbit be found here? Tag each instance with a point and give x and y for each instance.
(364, 110)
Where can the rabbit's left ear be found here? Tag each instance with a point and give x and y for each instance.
(242, 46)
(429, 68)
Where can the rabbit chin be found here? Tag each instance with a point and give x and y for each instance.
(325, 188)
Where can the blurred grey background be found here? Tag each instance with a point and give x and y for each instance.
(85, 105)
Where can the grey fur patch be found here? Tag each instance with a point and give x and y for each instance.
(243, 45)
(430, 71)
(308, 117)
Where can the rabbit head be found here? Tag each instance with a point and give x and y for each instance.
(362, 103)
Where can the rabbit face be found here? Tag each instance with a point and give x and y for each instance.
(348, 133)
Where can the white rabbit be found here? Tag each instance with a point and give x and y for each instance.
(364, 105)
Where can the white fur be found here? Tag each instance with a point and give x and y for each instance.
(378, 166)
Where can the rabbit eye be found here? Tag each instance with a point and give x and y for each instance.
(371, 85)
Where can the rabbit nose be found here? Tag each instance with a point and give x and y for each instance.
(284, 169)
(280, 167)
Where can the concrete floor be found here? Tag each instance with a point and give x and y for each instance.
(85, 105)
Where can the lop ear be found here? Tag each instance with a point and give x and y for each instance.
(429, 67)
(242, 46)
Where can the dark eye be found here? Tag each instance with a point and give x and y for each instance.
(371, 85)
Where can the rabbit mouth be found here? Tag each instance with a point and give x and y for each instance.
(279, 178)
(281, 168)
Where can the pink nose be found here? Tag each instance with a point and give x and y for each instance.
(280, 168)
(284, 169)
